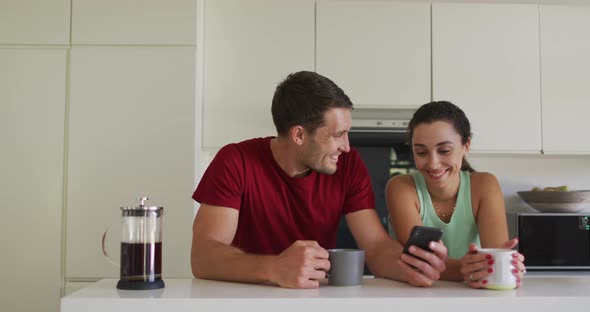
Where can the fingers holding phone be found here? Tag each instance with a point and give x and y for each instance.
(425, 255)
(421, 236)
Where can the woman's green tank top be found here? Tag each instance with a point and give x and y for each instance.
(461, 229)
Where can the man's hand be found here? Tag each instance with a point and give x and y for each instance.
(423, 268)
(300, 266)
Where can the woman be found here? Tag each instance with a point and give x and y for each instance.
(447, 193)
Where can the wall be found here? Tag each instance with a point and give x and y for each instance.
(523, 172)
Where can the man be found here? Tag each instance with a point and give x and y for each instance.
(270, 207)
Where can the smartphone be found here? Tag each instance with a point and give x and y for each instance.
(421, 236)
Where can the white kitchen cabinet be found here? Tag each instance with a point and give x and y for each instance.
(170, 22)
(131, 133)
(249, 47)
(485, 59)
(565, 64)
(35, 22)
(378, 52)
(32, 115)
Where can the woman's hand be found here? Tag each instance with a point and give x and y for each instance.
(517, 262)
(476, 267)
(422, 268)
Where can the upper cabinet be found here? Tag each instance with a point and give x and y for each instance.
(141, 22)
(249, 47)
(516, 69)
(35, 22)
(565, 64)
(486, 60)
(378, 52)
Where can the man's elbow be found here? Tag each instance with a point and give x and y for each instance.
(199, 270)
(198, 265)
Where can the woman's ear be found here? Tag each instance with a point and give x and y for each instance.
(467, 145)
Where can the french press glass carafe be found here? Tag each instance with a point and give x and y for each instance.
(141, 247)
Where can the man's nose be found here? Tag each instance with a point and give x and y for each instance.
(346, 144)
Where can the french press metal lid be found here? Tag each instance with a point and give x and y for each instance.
(142, 209)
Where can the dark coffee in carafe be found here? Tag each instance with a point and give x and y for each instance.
(141, 247)
(141, 262)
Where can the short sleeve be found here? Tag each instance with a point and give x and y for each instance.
(222, 183)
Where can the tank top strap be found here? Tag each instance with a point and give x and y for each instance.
(463, 208)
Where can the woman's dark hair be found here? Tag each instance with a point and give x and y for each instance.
(303, 98)
(443, 111)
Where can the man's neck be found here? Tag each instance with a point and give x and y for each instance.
(285, 154)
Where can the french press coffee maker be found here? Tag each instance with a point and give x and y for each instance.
(141, 247)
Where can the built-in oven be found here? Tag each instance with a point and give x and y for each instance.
(380, 137)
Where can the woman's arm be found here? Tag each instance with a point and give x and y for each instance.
(490, 211)
(403, 205)
(487, 202)
(490, 216)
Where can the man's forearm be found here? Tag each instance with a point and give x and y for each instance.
(384, 262)
(214, 260)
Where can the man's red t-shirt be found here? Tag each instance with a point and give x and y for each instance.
(275, 210)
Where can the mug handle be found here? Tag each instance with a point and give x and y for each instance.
(104, 247)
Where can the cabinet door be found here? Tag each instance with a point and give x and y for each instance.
(377, 52)
(249, 47)
(486, 61)
(32, 116)
(35, 22)
(131, 133)
(565, 64)
(134, 22)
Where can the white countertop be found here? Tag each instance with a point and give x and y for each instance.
(540, 293)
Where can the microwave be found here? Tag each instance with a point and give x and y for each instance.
(554, 241)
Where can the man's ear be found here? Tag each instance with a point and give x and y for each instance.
(297, 134)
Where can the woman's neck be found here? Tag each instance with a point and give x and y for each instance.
(447, 192)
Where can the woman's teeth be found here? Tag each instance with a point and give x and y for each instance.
(437, 174)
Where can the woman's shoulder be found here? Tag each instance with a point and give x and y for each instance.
(401, 194)
(401, 182)
(484, 183)
(483, 178)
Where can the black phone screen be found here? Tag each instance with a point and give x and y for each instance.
(421, 236)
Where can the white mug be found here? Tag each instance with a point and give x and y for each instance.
(503, 276)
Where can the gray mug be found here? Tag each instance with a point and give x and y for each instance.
(346, 267)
